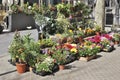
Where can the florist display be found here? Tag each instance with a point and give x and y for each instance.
(63, 41)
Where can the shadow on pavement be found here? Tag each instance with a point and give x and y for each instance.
(7, 72)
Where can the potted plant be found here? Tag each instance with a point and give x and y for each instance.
(72, 54)
(46, 43)
(15, 46)
(64, 9)
(116, 37)
(88, 53)
(32, 48)
(60, 57)
(106, 45)
(45, 67)
(17, 51)
(19, 18)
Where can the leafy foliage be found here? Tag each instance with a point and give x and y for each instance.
(60, 56)
(46, 65)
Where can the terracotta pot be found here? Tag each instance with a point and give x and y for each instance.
(116, 42)
(88, 58)
(61, 67)
(21, 67)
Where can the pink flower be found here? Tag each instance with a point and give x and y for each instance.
(108, 36)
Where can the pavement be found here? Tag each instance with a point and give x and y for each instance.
(105, 67)
(6, 38)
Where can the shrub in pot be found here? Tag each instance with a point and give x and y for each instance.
(60, 56)
(16, 47)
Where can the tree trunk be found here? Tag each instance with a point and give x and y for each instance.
(100, 13)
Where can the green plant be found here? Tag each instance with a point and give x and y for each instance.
(24, 48)
(105, 43)
(116, 36)
(32, 49)
(40, 19)
(46, 42)
(86, 51)
(46, 65)
(53, 26)
(80, 33)
(60, 56)
(15, 8)
(80, 9)
(17, 49)
(97, 28)
(30, 44)
(64, 9)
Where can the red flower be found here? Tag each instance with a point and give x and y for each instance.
(108, 36)
(97, 39)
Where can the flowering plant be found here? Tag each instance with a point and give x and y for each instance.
(60, 56)
(46, 65)
(73, 50)
(80, 33)
(88, 51)
(116, 36)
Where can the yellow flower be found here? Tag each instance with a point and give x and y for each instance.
(98, 46)
(70, 31)
(80, 29)
(57, 34)
(81, 46)
(74, 50)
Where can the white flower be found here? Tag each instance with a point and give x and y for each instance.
(48, 60)
(29, 7)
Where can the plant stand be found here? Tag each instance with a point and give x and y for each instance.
(20, 21)
(88, 58)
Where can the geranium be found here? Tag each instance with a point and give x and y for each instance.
(97, 39)
(107, 36)
(103, 38)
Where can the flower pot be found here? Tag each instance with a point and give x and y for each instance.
(116, 42)
(61, 67)
(30, 69)
(19, 21)
(21, 67)
(87, 58)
